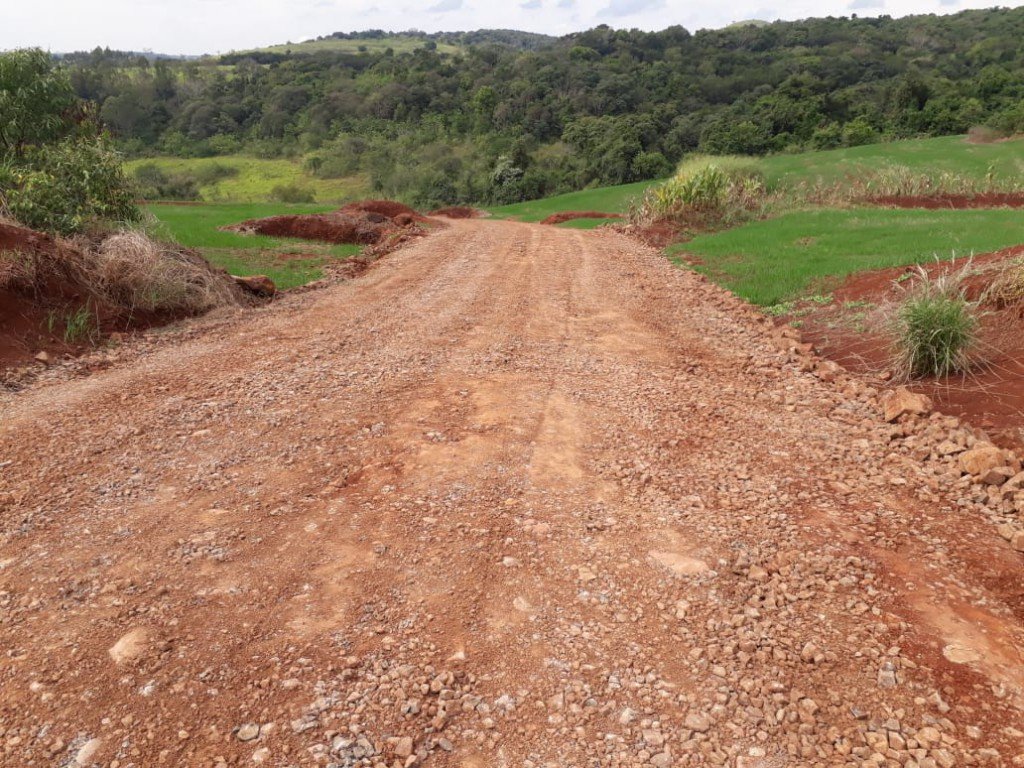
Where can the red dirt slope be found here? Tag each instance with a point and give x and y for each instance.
(987, 200)
(368, 222)
(559, 218)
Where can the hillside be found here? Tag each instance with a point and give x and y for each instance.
(475, 118)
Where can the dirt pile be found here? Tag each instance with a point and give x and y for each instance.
(852, 330)
(59, 297)
(564, 216)
(956, 202)
(368, 222)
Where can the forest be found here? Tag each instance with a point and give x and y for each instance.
(498, 117)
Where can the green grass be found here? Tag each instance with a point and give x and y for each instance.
(950, 154)
(197, 226)
(602, 200)
(256, 178)
(400, 44)
(782, 259)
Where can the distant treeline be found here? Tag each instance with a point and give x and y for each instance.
(512, 116)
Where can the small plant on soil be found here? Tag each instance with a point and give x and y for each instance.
(936, 327)
(81, 326)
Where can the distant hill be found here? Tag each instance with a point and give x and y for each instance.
(377, 41)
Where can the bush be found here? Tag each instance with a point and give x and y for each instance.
(707, 186)
(292, 193)
(936, 328)
(68, 186)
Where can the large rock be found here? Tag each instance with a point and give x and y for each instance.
(259, 285)
(979, 460)
(901, 402)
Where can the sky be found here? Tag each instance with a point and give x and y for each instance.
(219, 26)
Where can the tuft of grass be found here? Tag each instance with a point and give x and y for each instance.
(705, 189)
(81, 326)
(935, 327)
(1007, 287)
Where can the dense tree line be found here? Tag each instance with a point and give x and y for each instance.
(508, 120)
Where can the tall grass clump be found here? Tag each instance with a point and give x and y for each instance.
(136, 273)
(1007, 286)
(704, 189)
(936, 327)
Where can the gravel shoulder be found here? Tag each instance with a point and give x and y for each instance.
(516, 496)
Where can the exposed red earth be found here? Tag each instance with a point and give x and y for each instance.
(564, 216)
(36, 301)
(515, 496)
(459, 212)
(368, 222)
(985, 200)
(991, 396)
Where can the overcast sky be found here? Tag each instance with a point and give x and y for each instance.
(212, 26)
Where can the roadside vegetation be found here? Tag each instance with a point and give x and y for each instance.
(495, 118)
(936, 327)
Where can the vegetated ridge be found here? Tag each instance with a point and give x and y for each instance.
(491, 124)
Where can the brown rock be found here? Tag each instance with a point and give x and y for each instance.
(258, 285)
(980, 459)
(1017, 542)
(901, 402)
(43, 357)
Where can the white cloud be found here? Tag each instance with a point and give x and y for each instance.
(212, 26)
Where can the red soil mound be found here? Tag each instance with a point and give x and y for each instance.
(558, 218)
(363, 223)
(991, 397)
(987, 200)
(388, 208)
(459, 212)
(44, 283)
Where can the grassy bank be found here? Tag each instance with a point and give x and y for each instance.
(809, 252)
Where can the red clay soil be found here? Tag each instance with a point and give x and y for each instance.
(559, 218)
(991, 397)
(368, 222)
(459, 212)
(33, 316)
(957, 202)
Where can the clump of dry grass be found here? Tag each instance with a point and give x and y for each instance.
(1006, 288)
(136, 273)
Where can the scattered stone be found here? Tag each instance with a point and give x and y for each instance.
(258, 285)
(980, 459)
(902, 402)
(248, 732)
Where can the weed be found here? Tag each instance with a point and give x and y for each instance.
(936, 327)
(81, 325)
(780, 309)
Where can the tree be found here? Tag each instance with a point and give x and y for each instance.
(35, 101)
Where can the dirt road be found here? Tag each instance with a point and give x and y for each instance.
(518, 496)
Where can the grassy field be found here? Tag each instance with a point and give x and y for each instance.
(809, 252)
(398, 44)
(256, 178)
(951, 154)
(288, 262)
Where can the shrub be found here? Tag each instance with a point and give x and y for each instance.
(292, 193)
(706, 187)
(67, 186)
(936, 327)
